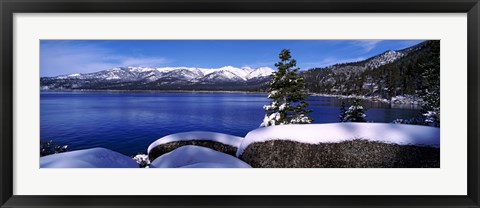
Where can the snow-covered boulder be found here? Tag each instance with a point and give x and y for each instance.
(338, 132)
(191, 156)
(217, 141)
(88, 158)
(342, 145)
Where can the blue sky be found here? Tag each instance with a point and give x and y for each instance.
(59, 57)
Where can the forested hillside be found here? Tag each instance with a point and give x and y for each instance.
(409, 71)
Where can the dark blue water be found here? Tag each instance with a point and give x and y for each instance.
(129, 122)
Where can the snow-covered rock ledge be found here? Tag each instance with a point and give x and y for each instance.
(338, 132)
(217, 141)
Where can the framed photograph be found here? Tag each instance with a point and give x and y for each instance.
(245, 104)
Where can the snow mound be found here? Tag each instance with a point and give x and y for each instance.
(88, 158)
(213, 165)
(233, 141)
(191, 156)
(337, 132)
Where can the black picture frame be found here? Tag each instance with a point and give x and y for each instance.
(10, 7)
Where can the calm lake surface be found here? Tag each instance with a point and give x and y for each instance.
(128, 122)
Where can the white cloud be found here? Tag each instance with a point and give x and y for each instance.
(409, 43)
(367, 45)
(330, 61)
(68, 57)
(143, 61)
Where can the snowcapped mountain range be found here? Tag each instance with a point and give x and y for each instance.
(227, 73)
(155, 78)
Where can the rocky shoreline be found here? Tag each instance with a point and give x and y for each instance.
(364, 145)
(397, 100)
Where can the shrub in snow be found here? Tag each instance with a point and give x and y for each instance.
(432, 118)
(49, 147)
(401, 121)
(191, 156)
(346, 154)
(217, 141)
(88, 158)
(415, 121)
(355, 113)
(288, 94)
(142, 160)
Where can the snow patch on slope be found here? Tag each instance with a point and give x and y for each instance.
(260, 72)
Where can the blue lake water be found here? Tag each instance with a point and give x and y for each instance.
(128, 122)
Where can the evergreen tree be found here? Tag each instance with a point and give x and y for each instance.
(431, 98)
(431, 93)
(287, 93)
(343, 110)
(355, 113)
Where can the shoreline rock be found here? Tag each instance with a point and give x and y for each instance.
(348, 154)
(162, 149)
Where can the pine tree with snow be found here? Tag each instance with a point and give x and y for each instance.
(355, 113)
(287, 93)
